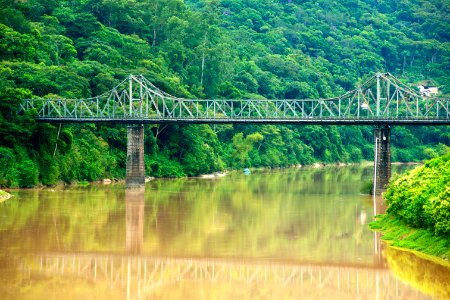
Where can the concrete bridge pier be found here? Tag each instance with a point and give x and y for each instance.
(382, 161)
(135, 177)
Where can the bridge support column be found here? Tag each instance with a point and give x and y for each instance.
(135, 177)
(382, 161)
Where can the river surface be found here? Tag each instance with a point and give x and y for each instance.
(286, 234)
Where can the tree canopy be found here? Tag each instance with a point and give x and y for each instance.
(209, 49)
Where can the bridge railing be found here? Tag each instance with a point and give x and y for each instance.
(382, 97)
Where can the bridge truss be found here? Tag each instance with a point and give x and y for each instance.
(382, 99)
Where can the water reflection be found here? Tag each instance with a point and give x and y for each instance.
(141, 277)
(134, 210)
(427, 276)
(378, 208)
(286, 234)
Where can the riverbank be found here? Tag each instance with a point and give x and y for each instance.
(418, 210)
(217, 174)
(422, 242)
(4, 195)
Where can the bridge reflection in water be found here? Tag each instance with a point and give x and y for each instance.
(136, 276)
(140, 276)
(134, 211)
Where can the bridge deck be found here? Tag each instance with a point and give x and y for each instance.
(281, 121)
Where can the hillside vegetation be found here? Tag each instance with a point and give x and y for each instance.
(208, 49)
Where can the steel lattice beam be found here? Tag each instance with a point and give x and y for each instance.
(382, 99)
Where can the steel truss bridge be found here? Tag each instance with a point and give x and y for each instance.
(139, 276)
(382, 99)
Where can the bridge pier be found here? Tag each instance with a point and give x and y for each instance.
(382, 161)
(135, 177)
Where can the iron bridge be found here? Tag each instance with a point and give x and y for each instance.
(382, 99)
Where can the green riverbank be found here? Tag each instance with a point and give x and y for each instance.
(422, 242)
(418, 210)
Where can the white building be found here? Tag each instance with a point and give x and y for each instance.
(428, 90)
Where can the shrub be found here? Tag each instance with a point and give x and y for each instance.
(421, 197)
(28, 173)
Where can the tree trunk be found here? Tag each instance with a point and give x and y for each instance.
(404, 63)
(203, 68)
(154, 37)
(412, 58)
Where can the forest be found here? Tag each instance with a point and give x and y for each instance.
(219, 49)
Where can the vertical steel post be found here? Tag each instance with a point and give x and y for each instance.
(130, 82)
(388, 97)
(140, 99)
(378, 94)
(375, 160)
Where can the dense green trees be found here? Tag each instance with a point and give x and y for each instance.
(418, 210)
(208, 49)
(421, 197)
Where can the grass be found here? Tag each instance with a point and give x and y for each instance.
(398, 234)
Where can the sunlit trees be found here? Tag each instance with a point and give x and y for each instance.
(210, 49)
(420, 197)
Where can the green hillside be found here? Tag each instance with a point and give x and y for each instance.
(209, 49)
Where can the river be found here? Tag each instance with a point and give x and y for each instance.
(285, 234)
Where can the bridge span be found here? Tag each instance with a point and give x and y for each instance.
(382, 101)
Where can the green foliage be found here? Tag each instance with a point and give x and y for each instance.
(50, 171)
(19, 170)
(7, 161)
(27, 173)
(161, 166)
(439, 210)
(91, 154)
(242, 147)
(421, 197)
(209, 49)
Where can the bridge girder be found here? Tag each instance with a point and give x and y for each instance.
(382, 99)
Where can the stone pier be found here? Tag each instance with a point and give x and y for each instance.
(382, 161)
(135, 177)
